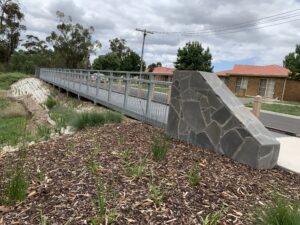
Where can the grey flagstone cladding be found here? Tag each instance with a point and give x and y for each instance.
(204, 112)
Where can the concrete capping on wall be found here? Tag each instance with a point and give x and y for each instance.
(204, 112)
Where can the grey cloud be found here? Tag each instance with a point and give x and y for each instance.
(119, 18)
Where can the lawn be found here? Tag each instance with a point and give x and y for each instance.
(12, 130)
(7, 79)
(280, 108)
(110, 174)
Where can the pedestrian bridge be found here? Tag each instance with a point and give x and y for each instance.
(143, 96)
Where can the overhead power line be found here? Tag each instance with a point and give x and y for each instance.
(273, 20)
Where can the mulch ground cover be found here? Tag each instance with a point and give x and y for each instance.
(66, 173)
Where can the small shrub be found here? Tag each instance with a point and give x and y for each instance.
(91, 119)
(159, 148)
(213, 218)
(194, 176)
(279, 212)
(156, 195)
(51, 102)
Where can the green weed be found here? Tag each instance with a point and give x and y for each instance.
(135, 170)
(194, 176)
(43, 132)
(159, 148)
(156, 195)
(16, 187)
(213, 218)
(125, 154)
(279, 212)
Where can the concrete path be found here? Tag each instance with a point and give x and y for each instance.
(289, 155)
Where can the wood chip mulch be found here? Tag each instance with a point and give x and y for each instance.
(67, 193)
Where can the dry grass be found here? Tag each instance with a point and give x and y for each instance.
(3, 94)
(14, 109)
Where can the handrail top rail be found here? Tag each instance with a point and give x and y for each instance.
(112, 71)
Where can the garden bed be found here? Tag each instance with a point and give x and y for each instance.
(71, 174)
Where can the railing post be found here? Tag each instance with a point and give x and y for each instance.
(97, 83)
(127, 88)
(150, 93)
(169, 91)
(257, 105)
(110, 86)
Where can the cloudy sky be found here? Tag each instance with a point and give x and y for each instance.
(119, 18)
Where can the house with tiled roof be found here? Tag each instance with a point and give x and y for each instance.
(164, 70)
(247, 80)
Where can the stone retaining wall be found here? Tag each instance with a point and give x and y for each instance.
(204, 112)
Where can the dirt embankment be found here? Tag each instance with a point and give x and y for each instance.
(32, 94)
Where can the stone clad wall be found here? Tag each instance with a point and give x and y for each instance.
(204, 112)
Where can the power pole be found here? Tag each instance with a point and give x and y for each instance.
(145, 32)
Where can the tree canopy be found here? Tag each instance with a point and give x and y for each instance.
(292, 62)
(193, 57)
(121, 57)
(118, 46)
(132, 62)
(109, 61)
(154, 65)
(73, 42)
(11, 26)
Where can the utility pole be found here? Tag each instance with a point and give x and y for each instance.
(145, 32)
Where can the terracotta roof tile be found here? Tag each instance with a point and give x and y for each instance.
(163, 70)
(271, 70)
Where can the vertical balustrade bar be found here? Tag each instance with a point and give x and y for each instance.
(97, 83)
(150, 93)
(87, 82)
(73, 79)
(110, 86)
(127, 87)
(80, 80)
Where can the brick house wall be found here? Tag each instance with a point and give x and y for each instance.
(253, 85)
(292, 90)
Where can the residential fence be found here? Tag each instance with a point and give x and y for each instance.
(143, 96)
